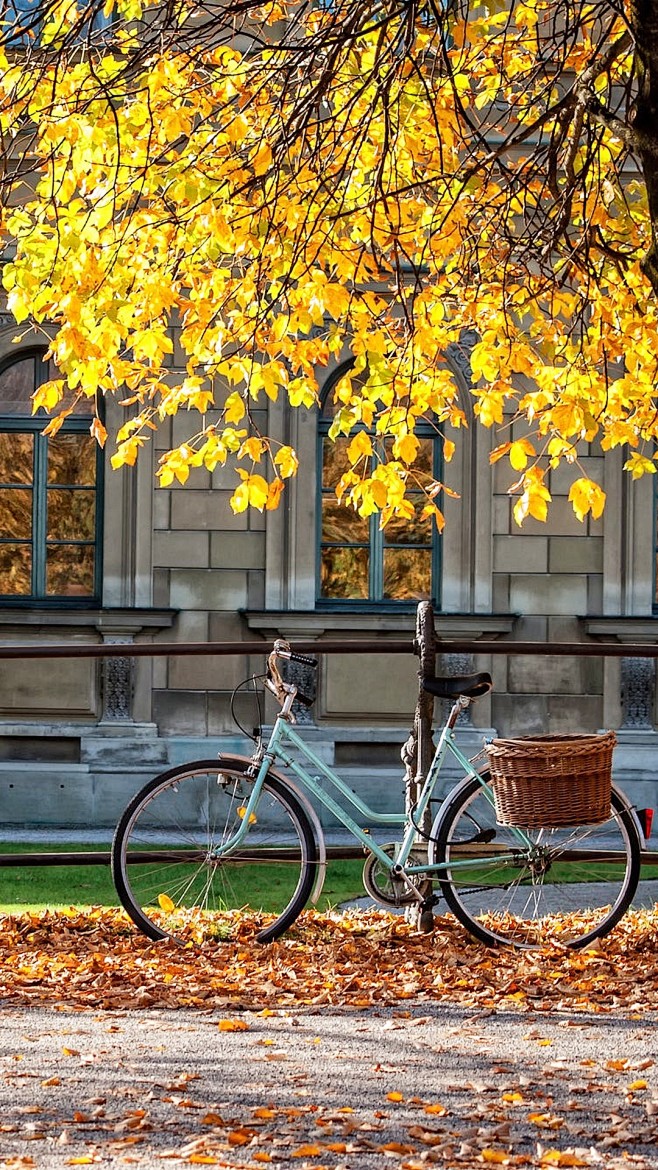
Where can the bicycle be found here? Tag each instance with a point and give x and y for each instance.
(209, 841)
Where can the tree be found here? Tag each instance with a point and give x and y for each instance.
(273, 184)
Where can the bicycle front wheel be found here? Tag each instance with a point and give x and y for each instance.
(165, 862)
(567, 886)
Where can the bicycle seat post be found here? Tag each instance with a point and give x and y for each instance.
(462, 703)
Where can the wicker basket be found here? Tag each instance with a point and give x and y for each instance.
(552, 780)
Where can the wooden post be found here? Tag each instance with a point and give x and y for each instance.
(418, 751)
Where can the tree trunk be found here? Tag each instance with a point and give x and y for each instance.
(418, 751)
(644, 23)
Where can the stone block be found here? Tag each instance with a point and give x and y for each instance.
(162, 440)
(519, 715)
(223, 713)
(237, 550)
(530, 628)
(371, 686)
(255, 590)
(565, 629)
(500, 592)
(520, 554)
(180, 712)
(574, 715)
(562, 521)
(161, 509)
(545, 674)
(209, 589)
(502, 515)
(161, 588)
(555, 593)
(570, 554)
(111, 792)
(60, 688)
(205, 511)
(562, 477)
(595, 593)
(38, 794)
(207, 672)
(228, 627)
(181, 549)
(191, 626)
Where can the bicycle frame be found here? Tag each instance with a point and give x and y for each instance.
(283, 737)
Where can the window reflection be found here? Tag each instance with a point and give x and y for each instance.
(48, 493)
(359, 561)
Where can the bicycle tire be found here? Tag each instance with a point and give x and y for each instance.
(163, 864)
(562, 891)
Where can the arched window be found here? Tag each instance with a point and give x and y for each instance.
(358, 562)
(49, 496)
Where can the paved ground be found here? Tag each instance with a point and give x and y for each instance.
(329, 1088)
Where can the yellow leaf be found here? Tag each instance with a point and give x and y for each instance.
(519, 453)
(287, 462)
(586, 496)
(47, 396)
(406, 448)
(233, 1026)
(98, 432)
(394, 1096)
(263, 159)
(165, 903)
(274, 494)
(234, 408)
(253, 448)
(240, 499)
(242, 812)
(308, 1151)
(639, 465)
(360, 447)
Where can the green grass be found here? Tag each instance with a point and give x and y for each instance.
(32, 889)
(55, 887)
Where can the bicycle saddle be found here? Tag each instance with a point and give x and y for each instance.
(471, 685)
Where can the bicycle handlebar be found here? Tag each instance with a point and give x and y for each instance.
(282, 650)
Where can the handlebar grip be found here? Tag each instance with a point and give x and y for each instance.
(303, 659)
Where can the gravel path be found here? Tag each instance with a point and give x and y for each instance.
(327, 1088)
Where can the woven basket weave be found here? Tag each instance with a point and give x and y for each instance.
(551, 781)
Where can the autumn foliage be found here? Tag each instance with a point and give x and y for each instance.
(355, 958)
(253, 192)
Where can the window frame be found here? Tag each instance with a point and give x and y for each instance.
(376, 544)
(34, 425)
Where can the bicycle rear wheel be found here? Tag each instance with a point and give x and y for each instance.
(164, 854)
(569, 886)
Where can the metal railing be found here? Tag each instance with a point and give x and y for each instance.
(382, 645)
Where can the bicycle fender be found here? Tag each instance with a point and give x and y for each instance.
(450, 795)
(311, 814)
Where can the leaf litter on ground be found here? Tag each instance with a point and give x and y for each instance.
(349, 962)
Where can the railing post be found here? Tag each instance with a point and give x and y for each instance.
(418, 751)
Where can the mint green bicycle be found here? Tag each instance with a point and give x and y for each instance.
(204, 845)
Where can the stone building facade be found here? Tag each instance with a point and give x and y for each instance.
(78, 736)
